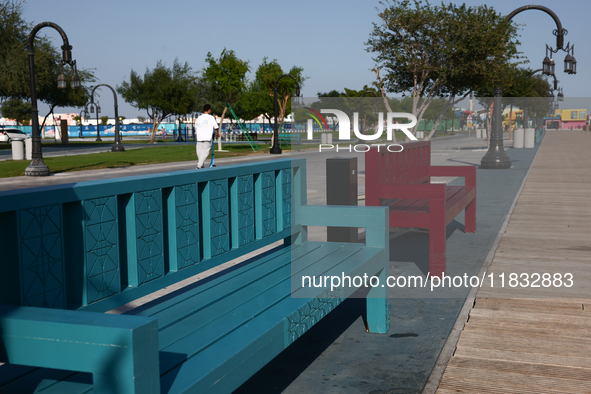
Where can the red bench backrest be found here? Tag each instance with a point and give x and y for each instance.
(409, 166)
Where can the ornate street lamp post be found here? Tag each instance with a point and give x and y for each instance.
(37, 166)
(95, 106)
(82, 115)
(276, 149)
(117, 147)
(496, 157)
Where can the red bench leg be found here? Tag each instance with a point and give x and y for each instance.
(470, 217)
(437, 252)
(437, 238)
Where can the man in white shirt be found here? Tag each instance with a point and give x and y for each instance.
(205, 126)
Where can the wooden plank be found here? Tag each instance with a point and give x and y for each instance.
(516, 329)
(531, 317)
(527, 303)
(535, 341)
(529, 292)
(536, 358)
(532, 369)
(518, 380)
(519, 264)
(472, 386)
(555, 323)
(522, 346)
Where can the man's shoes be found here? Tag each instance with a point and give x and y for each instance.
(213, 165)
(198, 168)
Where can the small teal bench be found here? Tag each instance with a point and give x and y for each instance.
(72, 252)
(290, 138)
(284, 139)
(540, 132)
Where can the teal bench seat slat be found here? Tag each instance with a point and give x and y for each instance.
(263, 295)
(212, 335)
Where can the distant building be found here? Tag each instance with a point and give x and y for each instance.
(567, 119)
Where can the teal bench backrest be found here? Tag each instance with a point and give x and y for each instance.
(99, 244)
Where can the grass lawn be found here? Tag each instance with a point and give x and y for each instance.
(86, 142)
(132, 157)
(152, 155)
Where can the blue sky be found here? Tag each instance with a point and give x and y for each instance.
(325, 37)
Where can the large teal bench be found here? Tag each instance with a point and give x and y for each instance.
(72, 252)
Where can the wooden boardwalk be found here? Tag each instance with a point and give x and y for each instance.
(536, 339)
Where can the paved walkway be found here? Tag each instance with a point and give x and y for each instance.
(526, 339)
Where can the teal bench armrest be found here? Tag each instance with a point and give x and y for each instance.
(120, 351)
(375, 220)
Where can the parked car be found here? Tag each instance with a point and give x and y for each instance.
(7, 135)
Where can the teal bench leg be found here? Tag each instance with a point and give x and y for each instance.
(121, 352)
(378, 307)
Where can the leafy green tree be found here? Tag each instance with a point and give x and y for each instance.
(439, 51)
(207, 93)
(253, 103)
(141, 119)
(365, 102)
(14, 66)
(226, 78)
(265, 78)
(520, 88)
(104, 120)
(56, 98)
(16, 109)
(161, 92)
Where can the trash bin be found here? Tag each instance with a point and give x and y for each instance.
(341, 189)
(29, 148)
(18, 149)
(529, 138)
(478, 133)
(323, 138)
(518, 138)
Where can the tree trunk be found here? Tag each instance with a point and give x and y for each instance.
(421, 112)
(451, 101)
(488, 129)
(155, 124)
(384, 97)
(221, 125)
(510, 123)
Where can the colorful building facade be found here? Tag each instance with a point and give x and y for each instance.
(567, 119)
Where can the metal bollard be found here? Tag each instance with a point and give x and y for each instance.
(29, 149)
(18, 149)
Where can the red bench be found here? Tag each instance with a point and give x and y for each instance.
(402, 182)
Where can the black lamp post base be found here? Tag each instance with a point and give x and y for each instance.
(495, 160)
(98, 139)
(117, 147)
(37, 168)
(275, 150)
